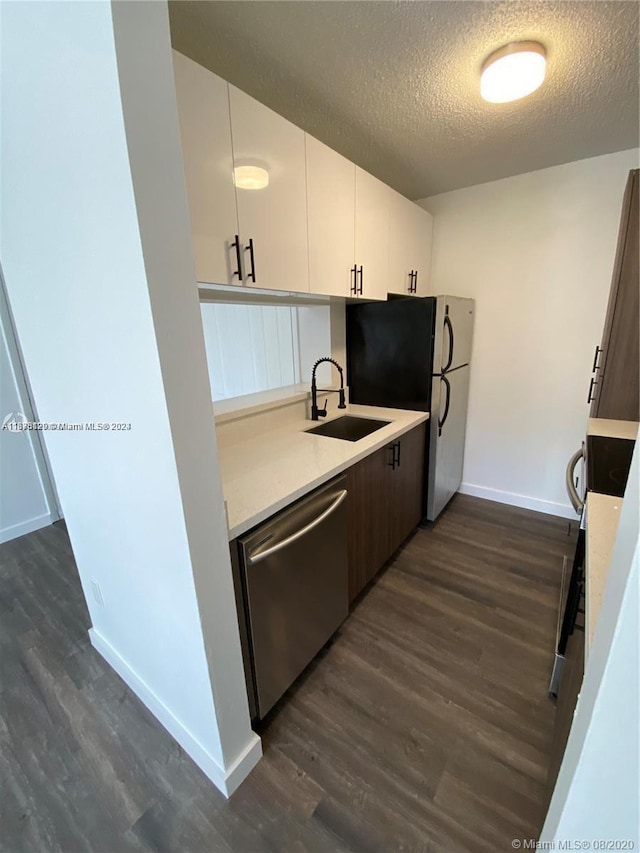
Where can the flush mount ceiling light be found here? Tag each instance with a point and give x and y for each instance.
(250, 177)
(513, 71)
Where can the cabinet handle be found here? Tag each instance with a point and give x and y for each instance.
(361, 277)
(392, 464)
(252, 274)
(592, 387)
(596, 366)
(354, 286)
(236, 245)
(395, 455)
(411, 282)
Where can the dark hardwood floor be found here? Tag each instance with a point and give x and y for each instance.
(424, 726)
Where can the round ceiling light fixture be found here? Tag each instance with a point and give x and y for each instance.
(513, 71)
(250, 177)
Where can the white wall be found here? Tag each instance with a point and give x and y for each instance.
(100, 276)
(536, 252)
(27, 501)
(597, 795)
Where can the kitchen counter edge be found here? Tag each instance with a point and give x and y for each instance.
(410, 420)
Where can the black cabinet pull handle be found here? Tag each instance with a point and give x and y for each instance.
(392, 464)
(395, 455)
(415, 281)
(592, 386)
(252, 274)
(361, 278)
(354, 286)
(236, 244)
(595, 360)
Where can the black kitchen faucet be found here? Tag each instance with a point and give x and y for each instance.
(317, 413)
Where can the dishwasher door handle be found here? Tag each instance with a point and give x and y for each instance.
(262, 555)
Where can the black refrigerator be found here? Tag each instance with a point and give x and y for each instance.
(415, 353)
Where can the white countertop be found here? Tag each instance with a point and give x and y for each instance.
(263, 474)
(612, 429)
(603, 515)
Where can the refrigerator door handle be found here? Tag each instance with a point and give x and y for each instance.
(449, 326)
(441, 421)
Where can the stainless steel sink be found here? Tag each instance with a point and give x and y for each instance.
(348, 428)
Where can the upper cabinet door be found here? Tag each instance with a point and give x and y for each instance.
(205, 130)
(331, 186)
(273, 218)
(373, 202)
(410, 236)
(421, 229)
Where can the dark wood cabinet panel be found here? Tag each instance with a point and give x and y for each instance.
(369, 538)
(406, 486)
(617, 377)
(385, 505)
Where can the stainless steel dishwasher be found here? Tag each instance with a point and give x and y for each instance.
(295, 580)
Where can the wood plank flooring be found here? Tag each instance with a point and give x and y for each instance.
(424, 726)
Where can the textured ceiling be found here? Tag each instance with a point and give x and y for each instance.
(394, 86)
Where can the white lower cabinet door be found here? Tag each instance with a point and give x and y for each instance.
(205, 131)
(373, 203)
(270, 180)
(331, 220)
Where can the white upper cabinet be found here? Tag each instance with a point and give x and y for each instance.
(373, 203)
(205, 130)
(272, 207)
(272, 219)
(422, 240)
(331, 186)
(410, 235)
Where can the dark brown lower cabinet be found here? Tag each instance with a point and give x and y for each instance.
(385, 505)
(406, 486)
(368, 529)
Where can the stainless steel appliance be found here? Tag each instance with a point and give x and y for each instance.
(415, 353)
(571, 592)
(607, 462)
(449, 398)
(295, 583)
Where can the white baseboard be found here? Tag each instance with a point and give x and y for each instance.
(522, 501)
(225, 780)
(9, 533)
